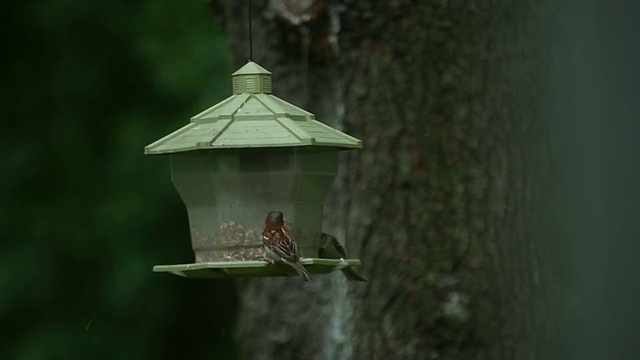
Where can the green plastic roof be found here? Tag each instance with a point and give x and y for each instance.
(252, 118)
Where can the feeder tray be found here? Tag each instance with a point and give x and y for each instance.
(255, 268)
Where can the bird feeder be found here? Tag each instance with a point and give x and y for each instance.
(241, 158)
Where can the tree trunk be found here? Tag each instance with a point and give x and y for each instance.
(443, 205)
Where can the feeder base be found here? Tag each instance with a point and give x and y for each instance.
(255, 268)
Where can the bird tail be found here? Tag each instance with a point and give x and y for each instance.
(351, 275)
(304, 274)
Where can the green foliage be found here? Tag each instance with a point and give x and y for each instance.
(84, 215)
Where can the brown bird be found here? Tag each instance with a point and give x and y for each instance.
(330, 248)
(279, 246)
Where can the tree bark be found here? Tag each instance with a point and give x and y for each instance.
(445, 203)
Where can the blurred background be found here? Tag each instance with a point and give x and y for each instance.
(84, 215)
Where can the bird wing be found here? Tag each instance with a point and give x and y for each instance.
(283, 245)
(331, 245)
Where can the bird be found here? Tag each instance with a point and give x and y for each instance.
(279, 246)
(330, 248)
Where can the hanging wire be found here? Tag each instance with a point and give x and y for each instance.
(250, 32)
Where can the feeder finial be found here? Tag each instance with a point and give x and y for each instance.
(251, 78)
